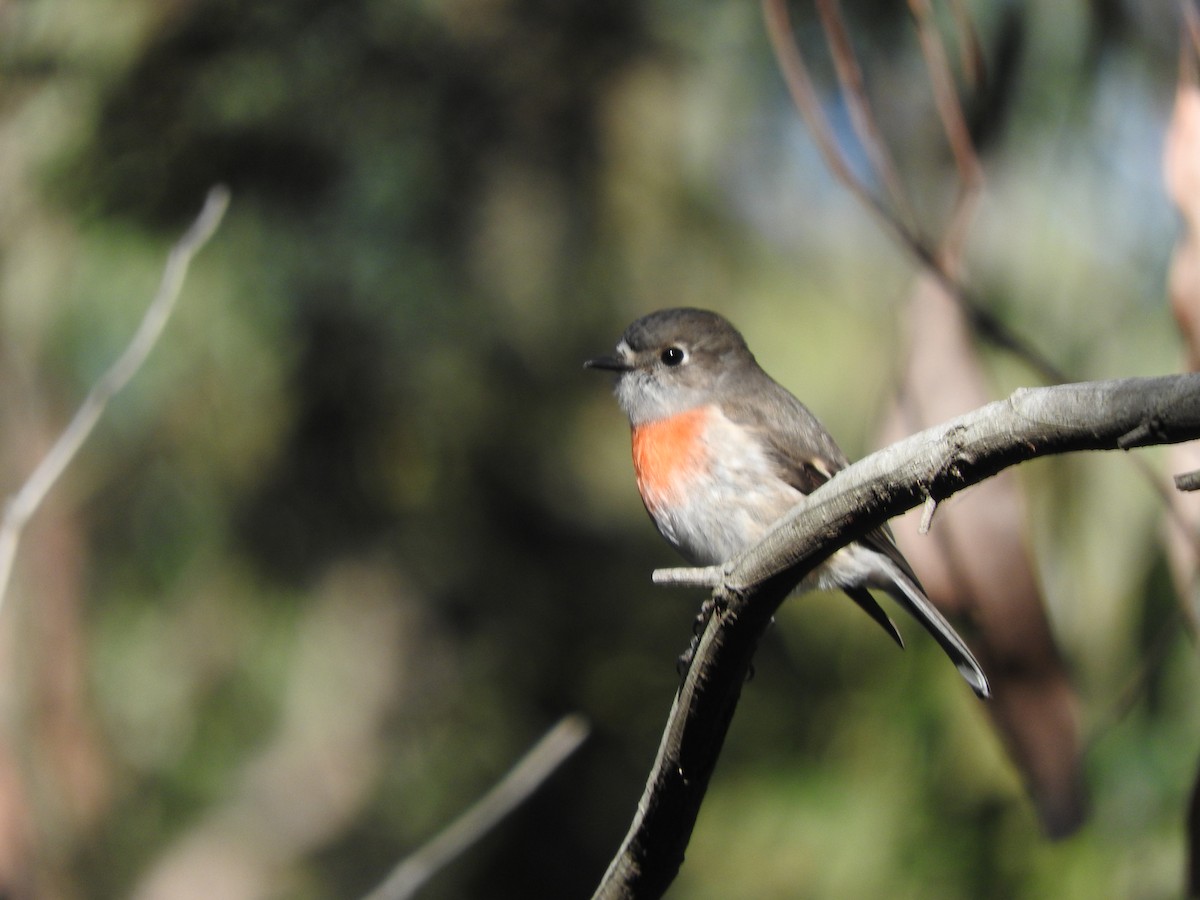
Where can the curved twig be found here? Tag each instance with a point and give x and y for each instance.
(25, 502)
(522, 780)
(795, 74)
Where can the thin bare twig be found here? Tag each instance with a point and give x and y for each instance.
(862, 117)
(945, 97)
(522, 780)
(804, 95)
(970, 50)
(927, 513)
(22, 505)
(702, 576)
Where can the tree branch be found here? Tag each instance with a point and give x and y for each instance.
(858, 105)
(22, 505)
(937, 462)
(804, 95)
(530, 772)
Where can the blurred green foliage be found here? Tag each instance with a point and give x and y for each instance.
(362, 528)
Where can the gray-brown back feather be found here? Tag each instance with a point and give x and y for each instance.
(806, 454)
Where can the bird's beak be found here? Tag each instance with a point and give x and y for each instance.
(611, 363)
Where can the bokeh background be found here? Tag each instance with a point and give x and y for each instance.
(362, 528)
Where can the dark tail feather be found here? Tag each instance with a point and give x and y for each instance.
(909, 595)
(867, 603)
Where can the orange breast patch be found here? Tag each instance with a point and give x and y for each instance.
(667, 452)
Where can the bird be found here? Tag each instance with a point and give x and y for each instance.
(721, 451)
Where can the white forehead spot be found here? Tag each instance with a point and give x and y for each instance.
(623, 348)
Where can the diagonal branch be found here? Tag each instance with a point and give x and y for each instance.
(1035, 422)
(799, 83)
(22, 505)
(862, 116)
(804, 96)
(513, 789)
(970, 49)
(946, 97)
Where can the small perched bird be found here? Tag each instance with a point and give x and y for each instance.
(721, 451)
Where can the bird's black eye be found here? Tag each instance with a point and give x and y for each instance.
(672, 356)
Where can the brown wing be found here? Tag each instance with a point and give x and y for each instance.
(806, 454)
(807, 457)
